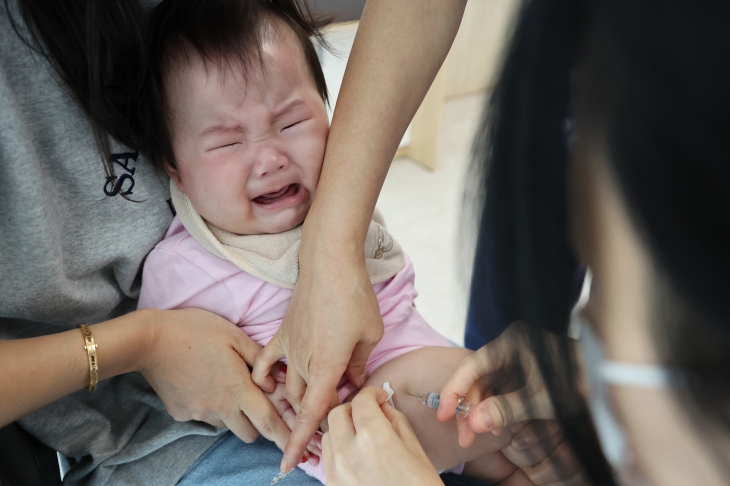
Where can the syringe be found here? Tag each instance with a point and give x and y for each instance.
(432, 399)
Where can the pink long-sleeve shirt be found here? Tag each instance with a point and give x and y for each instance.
(179, 273)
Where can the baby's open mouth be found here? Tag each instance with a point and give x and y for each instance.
(271, 197)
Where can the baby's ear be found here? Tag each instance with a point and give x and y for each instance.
(174, 174)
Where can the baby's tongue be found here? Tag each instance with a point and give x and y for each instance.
(273, 196)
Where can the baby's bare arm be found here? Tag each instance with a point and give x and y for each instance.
(428, 369)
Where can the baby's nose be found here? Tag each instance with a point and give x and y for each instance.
(270, 161)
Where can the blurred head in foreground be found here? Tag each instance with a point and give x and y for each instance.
(607, 139)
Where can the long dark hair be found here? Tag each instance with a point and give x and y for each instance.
(97, 47)
(654, 84)
(524, 263)
(100, 50)
(651, 78)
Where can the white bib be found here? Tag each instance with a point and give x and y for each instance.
(275, 257)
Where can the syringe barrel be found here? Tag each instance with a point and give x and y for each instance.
(463, 406)
(432, 400)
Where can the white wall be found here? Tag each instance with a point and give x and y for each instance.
(340, 38)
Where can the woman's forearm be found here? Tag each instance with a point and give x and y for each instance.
(37, 371)
(398, 50)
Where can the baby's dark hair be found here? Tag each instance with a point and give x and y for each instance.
(227, 33)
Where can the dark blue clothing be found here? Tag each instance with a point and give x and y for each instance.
(486, 319)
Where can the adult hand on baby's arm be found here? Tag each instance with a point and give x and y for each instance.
(286, 412)
(197, 362)
(333, 320)
(369, 442)
(332, 323)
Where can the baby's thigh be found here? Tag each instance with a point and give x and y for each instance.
(427, 370)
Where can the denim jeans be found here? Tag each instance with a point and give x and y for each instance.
(231, 462)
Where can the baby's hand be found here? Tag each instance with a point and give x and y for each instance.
(289, 416)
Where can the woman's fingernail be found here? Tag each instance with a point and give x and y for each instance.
(314, 460)
(304, 459)
(519, 442)
(284, 466)
(281, 371)
(484, 420)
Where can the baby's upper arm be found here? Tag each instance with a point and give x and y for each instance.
(396, 295)
(179, 273)
(173, 280)
(405, 329)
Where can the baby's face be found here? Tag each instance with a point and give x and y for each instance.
(249, 151)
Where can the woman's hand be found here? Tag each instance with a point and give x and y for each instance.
(541, 451)
(287, 414)
(369, 442)
(538, 447)
(333, 320)
(197, 362)
(504, 364)
(332, 323)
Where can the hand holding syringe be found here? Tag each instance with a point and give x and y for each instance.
(432, 399)
(429, 399)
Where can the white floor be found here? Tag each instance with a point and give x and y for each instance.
(422, 209)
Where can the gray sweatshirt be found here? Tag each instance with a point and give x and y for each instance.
(72, 252)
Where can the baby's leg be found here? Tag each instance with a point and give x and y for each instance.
(427, 370)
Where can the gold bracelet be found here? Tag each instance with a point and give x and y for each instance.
(90, 347)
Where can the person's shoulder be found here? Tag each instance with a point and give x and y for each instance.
(180, 273)
(180, 249)
(175, 235)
